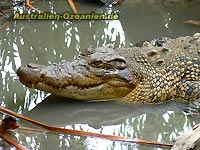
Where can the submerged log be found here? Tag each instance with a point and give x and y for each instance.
(189, 140)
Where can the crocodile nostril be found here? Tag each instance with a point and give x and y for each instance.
(33, 66)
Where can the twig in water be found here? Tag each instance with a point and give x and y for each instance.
(71, 3)
(194, 22)
(9, 124)
(83, 133)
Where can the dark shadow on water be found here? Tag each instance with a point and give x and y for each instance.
(60, 111)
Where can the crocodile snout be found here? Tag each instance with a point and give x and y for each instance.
(29, 73)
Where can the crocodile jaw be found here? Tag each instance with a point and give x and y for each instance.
(71, 83)
(100, 92)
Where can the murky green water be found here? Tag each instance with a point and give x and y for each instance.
(44, 42)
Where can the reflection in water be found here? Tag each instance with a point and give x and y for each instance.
(154, 123)
(113, 31)
(46, 42)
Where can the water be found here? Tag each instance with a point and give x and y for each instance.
(45, 42)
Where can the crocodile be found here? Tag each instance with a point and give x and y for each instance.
(150, 72)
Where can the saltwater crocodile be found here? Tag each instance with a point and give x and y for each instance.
(152, 72)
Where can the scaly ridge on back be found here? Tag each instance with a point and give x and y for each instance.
(178, 79)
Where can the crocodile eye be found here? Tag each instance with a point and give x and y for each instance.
(110, 65)
(97, 63)
(118, 63)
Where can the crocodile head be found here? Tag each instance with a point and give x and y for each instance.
(96, 74)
